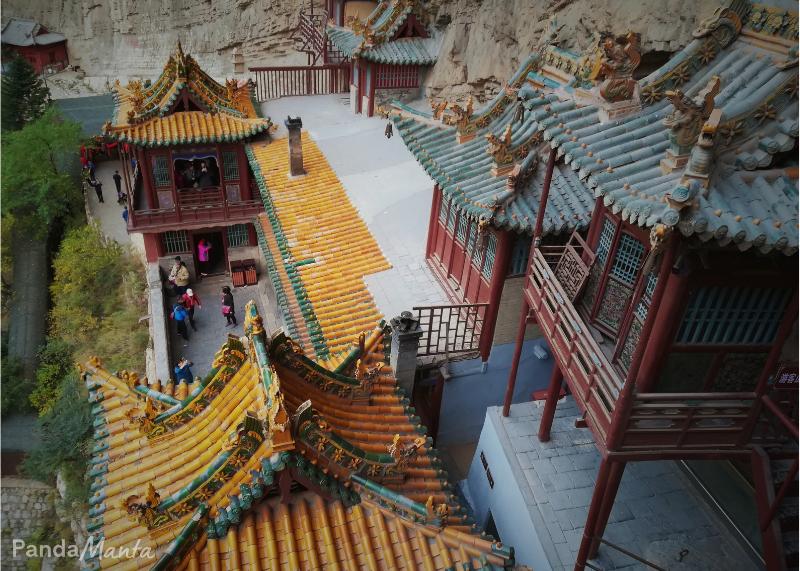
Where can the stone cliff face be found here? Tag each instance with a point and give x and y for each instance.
(132, 38)
(484, 41)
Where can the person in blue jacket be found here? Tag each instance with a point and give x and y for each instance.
(179, 314)
(183, 374)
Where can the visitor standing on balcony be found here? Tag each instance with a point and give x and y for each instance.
(203, 256)
(190, 301)
(181, 279)
(97, 186)
(228, 308)
(179, 314)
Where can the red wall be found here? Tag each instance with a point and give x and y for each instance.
(39, 56)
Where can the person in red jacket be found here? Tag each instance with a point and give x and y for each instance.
(190, 301)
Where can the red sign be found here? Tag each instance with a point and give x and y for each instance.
(787, 377)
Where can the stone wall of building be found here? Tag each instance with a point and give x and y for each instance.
(26, 505)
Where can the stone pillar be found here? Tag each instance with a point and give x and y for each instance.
(295, 146)
(406, 332)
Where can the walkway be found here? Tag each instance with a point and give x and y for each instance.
(108, 214)
(386, 185)
(211, 330)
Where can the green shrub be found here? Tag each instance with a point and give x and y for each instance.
(55, 362)
(15, 388)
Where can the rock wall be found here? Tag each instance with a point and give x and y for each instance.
(485, 40)
(132, 38)
(26, 505)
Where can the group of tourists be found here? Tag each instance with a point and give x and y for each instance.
(187, 301)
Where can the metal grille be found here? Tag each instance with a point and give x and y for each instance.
(488, 260)
(627, 259)
(161, 171)
(519, 255)
(461, 234)
(606, 238)
(175, 242)
(238, 235)
(718, 315)
(647, 296)
(230, 165)
(443, 210)
(449, 329)
(451, 218)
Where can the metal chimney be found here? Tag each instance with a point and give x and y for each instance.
(295, 146)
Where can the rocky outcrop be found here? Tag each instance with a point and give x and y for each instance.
(485, 40)
(133, 38)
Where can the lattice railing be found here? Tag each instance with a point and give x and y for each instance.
(450, 329)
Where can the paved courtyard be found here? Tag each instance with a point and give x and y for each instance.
(388, 187)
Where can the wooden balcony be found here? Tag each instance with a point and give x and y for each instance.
(195, 208)
(669, 424)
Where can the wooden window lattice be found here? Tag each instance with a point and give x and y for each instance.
(627, 259)
(720, 315)
(606, 239)
(451, 218)
(461, 233)
(488, 260)
(443, 210)
(238, 235)
(230, 164)
(161, 171)
(175, 242)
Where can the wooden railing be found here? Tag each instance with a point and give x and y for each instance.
(595, 384)
(687, 421)
(196, 206)
(450, 329)
(276, 82)
(309, 36)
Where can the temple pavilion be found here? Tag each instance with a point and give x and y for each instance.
(182, 147)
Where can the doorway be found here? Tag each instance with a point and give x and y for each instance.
(216, 255)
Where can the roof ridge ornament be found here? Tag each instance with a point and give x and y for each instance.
(723, 26)
(685, 122)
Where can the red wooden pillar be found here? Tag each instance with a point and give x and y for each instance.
(596, 224)
(244, 174)
(614, 479)
(667, 319)
(371, 80)
(152, 247)
(501, 260)
(553, 391)
(512, 375)
(622, 407)
(433, 219)
(147, 178)
(595, 508)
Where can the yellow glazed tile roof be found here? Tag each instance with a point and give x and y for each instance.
(325, 233)
(149, 115)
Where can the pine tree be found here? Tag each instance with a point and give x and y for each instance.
(25, 97)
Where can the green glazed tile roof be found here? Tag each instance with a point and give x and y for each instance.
(403, 51)
(619, 160)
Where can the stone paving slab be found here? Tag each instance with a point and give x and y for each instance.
(657, 512)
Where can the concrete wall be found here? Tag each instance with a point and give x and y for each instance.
(248, 252)
(471, 390)
(505, 501)
(159, 323)
(508, 315)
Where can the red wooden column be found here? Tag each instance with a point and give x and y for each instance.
(622, 407)
(614, 479)
(433, 219)
(512, 375)
(553, 392)
(152, 247)
(371, 72)
(537, 235)
(595, 507)
(668, 317)
(147, 178)
(501, 260)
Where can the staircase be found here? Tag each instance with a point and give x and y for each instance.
(776, 487)
(310, 38)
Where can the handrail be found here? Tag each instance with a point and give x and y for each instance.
(695, 396)
(630, 554)
(781, 416)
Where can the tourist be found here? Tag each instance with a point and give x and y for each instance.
(118, 183)
(190, 300)
(203, 250)
(519, 112)
(173, 273)
(97, 186)
(228, 308)
(389, 130)
(179, 314)
(90, 164)
(183, 374)
(204, 179)
(181, 279)
(125, 215)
